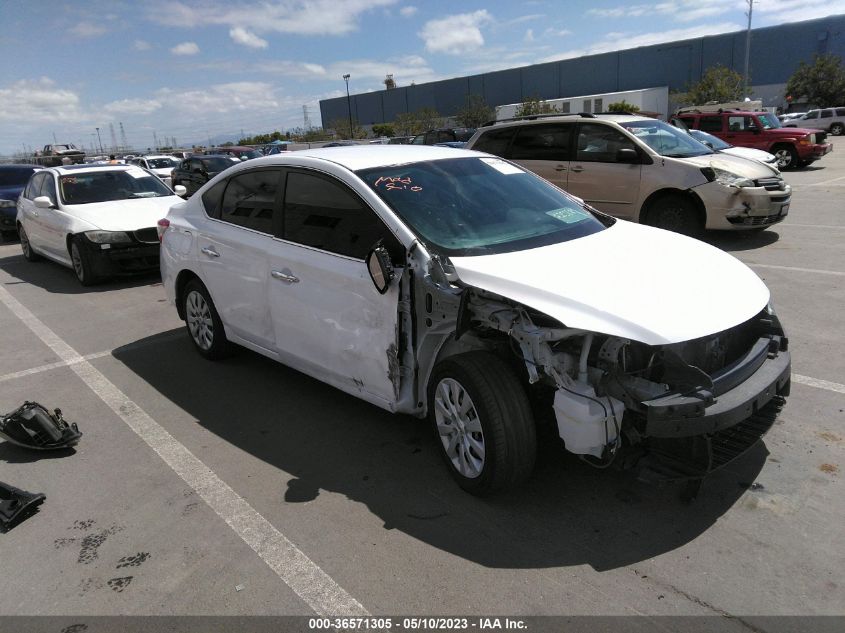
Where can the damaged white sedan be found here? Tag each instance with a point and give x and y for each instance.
(456, 285)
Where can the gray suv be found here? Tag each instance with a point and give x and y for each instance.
(829, 119)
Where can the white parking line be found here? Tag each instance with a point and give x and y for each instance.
(299, 572)
(824, 182)
(49, 366)
(817, 226)
(819, 384)
(795, 268)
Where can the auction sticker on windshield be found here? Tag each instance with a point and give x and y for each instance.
(502, 166)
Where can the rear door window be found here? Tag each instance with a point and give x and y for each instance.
(827, 114)
(551, 141)
(250, 200)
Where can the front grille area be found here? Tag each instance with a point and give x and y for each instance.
(732, 442)
(10, 222)
(147, 236)
(771, 184)
(756, 220)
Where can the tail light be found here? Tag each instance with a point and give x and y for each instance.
(161, 227)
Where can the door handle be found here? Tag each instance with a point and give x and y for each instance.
(209, 251)
(560, 168)
(577, 168)
(277, 274)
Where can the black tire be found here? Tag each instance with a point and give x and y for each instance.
(81, 261)
(674, 212)
(501, 408)
(204, 326)
(29, 254)
(836, 129)
(787, 157)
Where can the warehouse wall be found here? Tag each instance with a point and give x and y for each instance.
(775, 54)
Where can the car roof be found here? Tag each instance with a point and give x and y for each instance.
(156, 156)
(17, 166)
(356, 157)
(75, 169)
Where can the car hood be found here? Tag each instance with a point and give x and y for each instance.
(750, 152)
(162, 171)
(123, 215)
(11, 192)
(629, 280)
(741, 166)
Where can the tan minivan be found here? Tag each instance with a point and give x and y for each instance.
(641, 169)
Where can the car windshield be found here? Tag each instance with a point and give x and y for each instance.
(103, 186)
(666, 139)
(15, 176)
(253, 153)
(162, 163)
(768, 121)
(217, 163)
(712, 141)
(478, 206)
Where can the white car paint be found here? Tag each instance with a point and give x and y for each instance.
(752, 154)
(48, 229)
(648, 285)
(162, 172)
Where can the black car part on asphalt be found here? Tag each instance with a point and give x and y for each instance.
(33, 426)
(17, 505)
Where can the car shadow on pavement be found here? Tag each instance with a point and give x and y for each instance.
(567, 514)
(737, 241)
(58, 279)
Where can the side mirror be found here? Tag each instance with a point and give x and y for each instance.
(43, 202)
(380, 268)
(180, 190)
(243, 158)
(627, 155)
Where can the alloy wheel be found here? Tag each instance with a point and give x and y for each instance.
(459, 428)
(198, 317)
(784, 157)
(76, 259)
(25, 247)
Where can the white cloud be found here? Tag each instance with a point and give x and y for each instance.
(246, 38)
(302, 17)
(39, 101)
(132, 106)
(779, 11)
(290, 68)
(141, 45)
(185, 48)
(407, 12)
(87, 29)
(529, 35)
(556, 32)
(621, 41)
(455, 34)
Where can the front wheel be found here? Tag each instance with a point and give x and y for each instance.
(483, 423)
(787, 157)
(675, 213)
(836, 129)
(82, 264)
(204, 325)
(29, 254)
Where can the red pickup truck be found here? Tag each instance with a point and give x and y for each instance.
(794, 147)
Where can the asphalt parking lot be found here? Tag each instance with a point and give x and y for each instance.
(246, 488)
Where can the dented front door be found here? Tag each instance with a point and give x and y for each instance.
(328, 316)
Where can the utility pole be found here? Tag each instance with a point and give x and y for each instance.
(55, 142)
(348, 103)
(124, 145)
(99, 140)
(747, 47)
(155, 142)
(113, 138)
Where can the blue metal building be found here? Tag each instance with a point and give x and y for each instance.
(775, 54)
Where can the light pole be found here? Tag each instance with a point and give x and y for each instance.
(348, 104)
(747, 46)
(99, 140)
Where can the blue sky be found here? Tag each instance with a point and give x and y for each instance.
(187, 69)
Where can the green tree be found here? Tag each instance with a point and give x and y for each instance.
(341, 128)
(383, 129)
(623, 106)
(718, 84)
(474, 112)
(408, 123)
(821, 83)
(534, 105)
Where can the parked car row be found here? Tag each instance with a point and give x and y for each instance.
(828, 119)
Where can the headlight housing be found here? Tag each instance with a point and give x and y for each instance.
(726, 178)
(107, 237)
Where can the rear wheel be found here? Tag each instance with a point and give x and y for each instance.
(82, 265)
(204, 325)
(787, 157)
(483, 423)
(836, 129)
(675, 213)
(29, 254)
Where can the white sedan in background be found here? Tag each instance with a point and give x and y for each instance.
(98, 220)
(718, 145)
(161, 166)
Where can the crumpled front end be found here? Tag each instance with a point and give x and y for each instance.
(764, 204)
